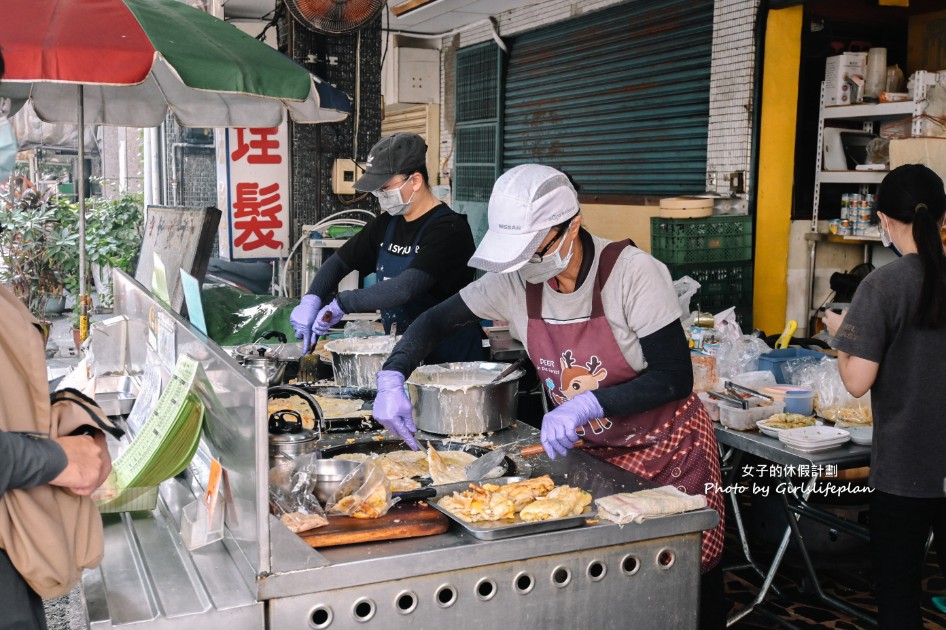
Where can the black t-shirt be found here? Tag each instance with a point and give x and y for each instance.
(443, 251)
(908, 453)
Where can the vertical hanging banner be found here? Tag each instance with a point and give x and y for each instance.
(253, 187)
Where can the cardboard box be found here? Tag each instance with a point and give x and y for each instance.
(838, 70)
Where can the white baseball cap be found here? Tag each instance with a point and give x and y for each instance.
(526, 202)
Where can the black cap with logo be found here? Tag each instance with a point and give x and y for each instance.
(395, 154)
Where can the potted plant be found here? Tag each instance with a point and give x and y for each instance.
(29, 229)
(114, 228)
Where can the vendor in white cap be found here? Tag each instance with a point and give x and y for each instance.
(418, 248)
(601, 323)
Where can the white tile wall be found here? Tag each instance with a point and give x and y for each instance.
(731, 106)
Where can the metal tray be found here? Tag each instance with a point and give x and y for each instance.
(386, 446)
(511, 527)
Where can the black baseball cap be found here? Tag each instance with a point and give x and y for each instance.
(398, 153)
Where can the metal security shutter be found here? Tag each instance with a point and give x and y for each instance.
(619, 99)
(477, 122)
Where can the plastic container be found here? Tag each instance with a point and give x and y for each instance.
(745, 419)
(713, 239)
(773, 361)
(797, 399)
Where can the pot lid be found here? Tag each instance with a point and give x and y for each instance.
(306, 435)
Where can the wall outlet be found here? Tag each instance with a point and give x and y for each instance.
(344, 175)
(737, 182)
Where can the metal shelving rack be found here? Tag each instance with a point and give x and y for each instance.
(868, 114)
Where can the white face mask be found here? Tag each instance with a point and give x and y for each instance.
(391, 202)
(8, 148)
(885, 238)
(550, 266)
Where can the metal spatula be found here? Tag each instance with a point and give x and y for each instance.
(509, 370)
(482, 466)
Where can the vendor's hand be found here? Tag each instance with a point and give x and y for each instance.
(392, 407)
(302, 318)
(559, 426)
(328, 317)
(88, 463)
(832, 321)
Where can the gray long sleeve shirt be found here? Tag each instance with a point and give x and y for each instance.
(28, 461)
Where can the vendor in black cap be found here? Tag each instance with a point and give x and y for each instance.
(418, 248)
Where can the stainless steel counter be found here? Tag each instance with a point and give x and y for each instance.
(262, 575)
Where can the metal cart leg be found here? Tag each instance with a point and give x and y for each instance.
(792, 518)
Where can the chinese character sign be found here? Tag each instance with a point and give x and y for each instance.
(256, 163)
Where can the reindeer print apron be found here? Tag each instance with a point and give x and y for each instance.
(673, 444)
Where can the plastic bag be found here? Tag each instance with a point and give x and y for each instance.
(686, 288)
(362, 328)
(832, 401)
(741, 354)
(291, 497)
(364, 493)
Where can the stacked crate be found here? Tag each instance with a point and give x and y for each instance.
(716, 252)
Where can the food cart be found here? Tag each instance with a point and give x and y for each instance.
(261, 575)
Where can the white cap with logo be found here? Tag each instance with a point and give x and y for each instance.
(526, 202)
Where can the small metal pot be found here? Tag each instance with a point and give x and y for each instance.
(268, 369)
(458, 398)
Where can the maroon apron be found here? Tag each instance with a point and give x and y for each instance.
(673, 444)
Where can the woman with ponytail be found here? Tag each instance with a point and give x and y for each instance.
(892, 342)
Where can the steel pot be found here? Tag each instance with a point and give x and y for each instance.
(458, 398)
(357, 360)
(272, 365)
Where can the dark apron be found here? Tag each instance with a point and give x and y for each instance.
(466, 344)
(673, 444)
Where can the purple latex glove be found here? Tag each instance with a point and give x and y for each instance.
(327, 317)
(392, 407)
(559, 426)
(302, 318)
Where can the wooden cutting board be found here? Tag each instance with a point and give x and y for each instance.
(406, 520)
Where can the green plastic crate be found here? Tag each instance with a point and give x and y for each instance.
(721, 285)
(709, 240)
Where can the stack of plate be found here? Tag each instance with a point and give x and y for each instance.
(861, 435)
(814, 439)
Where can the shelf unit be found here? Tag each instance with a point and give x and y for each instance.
(868, 114)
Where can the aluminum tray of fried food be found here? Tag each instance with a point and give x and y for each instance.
(515, 526)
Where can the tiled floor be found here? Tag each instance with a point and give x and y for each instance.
(845, 576)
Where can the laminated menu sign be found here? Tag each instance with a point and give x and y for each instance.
(167, 441)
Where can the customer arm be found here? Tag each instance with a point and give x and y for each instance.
(393, 292)
(668, 376)
(26, 462)
(427, 331)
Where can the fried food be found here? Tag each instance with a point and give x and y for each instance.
(478, 504)
(298, 522)
(849, 416)
(788, 421)
(522, 493)
(575, 498)
(373, 505)
(440, 470)
(544, 509)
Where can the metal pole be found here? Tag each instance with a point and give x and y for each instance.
(84, 301)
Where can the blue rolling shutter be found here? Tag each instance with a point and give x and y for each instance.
(619, 98)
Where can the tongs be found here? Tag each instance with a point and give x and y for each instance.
(729, 385)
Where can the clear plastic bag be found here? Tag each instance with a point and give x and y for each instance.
(364, 493)
(737, 355)
(832, 401)
(362, 328)
(686, 288)
(294, 502)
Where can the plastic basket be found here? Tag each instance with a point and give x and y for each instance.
(709, 240)
(721, 285)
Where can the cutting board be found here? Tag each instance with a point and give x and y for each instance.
(407, 520)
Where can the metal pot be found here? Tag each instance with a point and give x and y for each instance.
(357, 360)
(287, 440)
(266, 368)
(269, 364)
(458, 398)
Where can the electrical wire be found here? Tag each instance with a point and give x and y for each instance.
(326, 222)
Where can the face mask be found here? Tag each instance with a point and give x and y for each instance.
(550, 266)
(391, 202)
(8, 148)
(885, 239)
